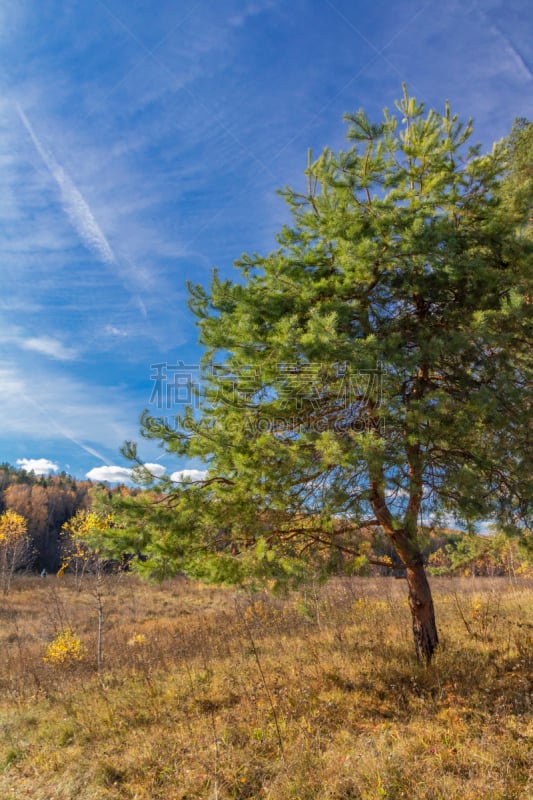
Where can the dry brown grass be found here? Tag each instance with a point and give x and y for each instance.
(208, 693)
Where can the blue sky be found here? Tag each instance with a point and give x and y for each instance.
(141, 144)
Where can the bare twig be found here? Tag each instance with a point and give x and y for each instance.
(260, 668)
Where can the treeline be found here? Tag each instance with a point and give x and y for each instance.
(46, 502)
(492, 555)
(447, 552)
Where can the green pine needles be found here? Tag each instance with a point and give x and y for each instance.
(373, 371)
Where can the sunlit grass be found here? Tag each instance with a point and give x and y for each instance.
(210, 693)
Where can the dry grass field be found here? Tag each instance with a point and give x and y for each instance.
(212, 693)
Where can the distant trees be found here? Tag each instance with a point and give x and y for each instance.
(494, 555)
(46, 503)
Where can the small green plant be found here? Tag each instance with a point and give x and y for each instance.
(12, 756)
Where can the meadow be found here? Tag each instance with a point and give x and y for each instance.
(208, 692)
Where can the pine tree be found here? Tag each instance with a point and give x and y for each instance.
(372, 371)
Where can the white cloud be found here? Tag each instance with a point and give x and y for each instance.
(74, 204)
(114, 474)
(110, 474)
(40, 466)
(49, 347)
(112, 330)
(188, 475)
(158, 470)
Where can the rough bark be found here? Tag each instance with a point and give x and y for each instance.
(422, 611)
(404, 541)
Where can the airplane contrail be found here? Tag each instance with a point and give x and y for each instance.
(74, 204)
(510, 47)
(62, 430)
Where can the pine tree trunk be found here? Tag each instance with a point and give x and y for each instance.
(406, 545)
(422, 612)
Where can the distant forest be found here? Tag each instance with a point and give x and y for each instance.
(46, 502)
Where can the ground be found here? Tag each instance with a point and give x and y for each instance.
(217, 693)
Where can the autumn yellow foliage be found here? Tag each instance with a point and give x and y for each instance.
(80, 530)
(65, 649)
(14, 544)
(13, 527)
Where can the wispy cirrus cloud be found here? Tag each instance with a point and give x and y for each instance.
(145, 149)
(51, 346)
(74, 204)
(48, 346)
(250, 10)
(48, 405)
(113, 330)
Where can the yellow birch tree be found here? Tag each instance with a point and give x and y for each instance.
(14, 546)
